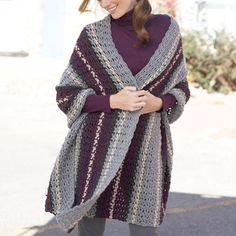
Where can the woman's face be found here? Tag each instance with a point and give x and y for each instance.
(117, 8)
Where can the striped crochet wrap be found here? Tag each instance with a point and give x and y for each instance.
(109, 185)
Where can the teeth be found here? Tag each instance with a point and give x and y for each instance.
(112, 9)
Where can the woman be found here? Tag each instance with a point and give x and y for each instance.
(124, 84)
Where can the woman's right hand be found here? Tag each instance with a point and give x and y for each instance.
(128, 99)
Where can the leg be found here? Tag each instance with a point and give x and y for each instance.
(138, 230)
(91, 226)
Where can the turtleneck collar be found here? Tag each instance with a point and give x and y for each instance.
(125, 20)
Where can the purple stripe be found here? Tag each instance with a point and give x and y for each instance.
(63, 92)
(48, 202)
(126, 183)
(89, 54)
(102, 148)
(166, 177)
(160, 82)
(184, 87)
(88, 137)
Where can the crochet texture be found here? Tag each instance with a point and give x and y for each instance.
(91, 175)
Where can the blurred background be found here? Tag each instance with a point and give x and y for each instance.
(36, 40)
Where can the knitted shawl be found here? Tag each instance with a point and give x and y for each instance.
(79, 177)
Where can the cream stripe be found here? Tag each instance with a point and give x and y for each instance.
(165, 62)
(98, 47)
(167, 72)
(98, 83)
(112, 204)
(113, 149)
(160, 174)
(58, 190)
(93, 153)
(143, 161)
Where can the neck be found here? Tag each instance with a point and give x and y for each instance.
(125, 20)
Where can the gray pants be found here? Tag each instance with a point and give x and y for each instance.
(96, 227)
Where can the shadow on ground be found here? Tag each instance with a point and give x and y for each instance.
(187, 214)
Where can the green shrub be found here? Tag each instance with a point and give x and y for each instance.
(211, 60)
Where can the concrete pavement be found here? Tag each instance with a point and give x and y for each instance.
(203, 192)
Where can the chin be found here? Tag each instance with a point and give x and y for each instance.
(116, 15)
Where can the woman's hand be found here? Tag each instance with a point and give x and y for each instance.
(132, 100)
(153, 103)
(129, 99)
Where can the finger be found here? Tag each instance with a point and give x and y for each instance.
(140, 104)
(142, 98)
(141, 93)
(130, 88)
(136, 108)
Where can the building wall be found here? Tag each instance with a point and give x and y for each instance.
(209, 14)
(51, 27)
(42, 27)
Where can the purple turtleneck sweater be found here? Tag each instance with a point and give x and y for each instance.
(125, 38)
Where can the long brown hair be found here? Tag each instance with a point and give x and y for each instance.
(142, 12)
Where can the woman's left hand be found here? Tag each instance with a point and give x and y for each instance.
(153, 103)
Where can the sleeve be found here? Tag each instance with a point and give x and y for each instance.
(96, 103)
(177, 87)
(168, 100)
(182, 94)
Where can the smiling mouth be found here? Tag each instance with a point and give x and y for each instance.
(112, 10)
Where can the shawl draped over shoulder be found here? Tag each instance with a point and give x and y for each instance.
(94, 150)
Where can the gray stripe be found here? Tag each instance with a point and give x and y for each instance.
(179, 75)
(162, 56)
(63, 171)
(146, 198)
(103, 45)
(70, 78)
(122, 135)
(177, 111)
(77, 105)
(63, 176)
(169, 142)
(100, 34)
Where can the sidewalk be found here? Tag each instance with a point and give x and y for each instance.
(33, 129)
